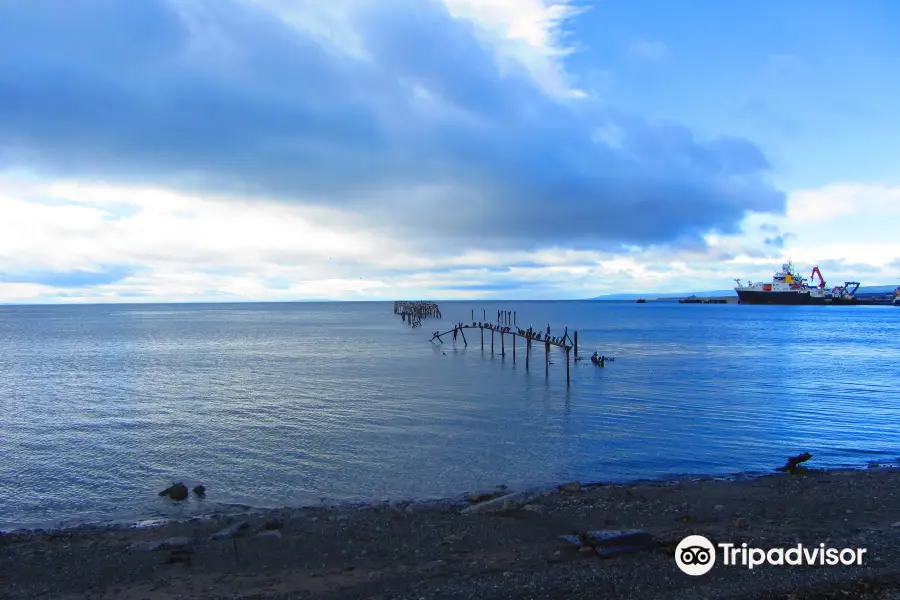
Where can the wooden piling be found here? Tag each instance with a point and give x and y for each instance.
(482, 338)
(514, 349)
(567, 366)
(492, 340)
(527, 351)
(576, 344)
(547, 352)
(465, 341)
(502, 344)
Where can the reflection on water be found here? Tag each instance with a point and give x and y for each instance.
(286, 404)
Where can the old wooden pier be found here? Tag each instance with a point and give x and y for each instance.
(506, 326)
(414, 312)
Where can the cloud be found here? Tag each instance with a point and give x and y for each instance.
(648, 50)
(843, 267)
(842, 200)
(411, 127)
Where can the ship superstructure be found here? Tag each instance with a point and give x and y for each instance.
(789, 287)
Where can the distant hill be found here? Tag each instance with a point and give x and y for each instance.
(872, 289)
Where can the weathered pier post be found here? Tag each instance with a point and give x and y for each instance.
(514, 348)
(473, 314)
(482, 337)
(547, 352)
(492, 340)
(465, 341)
(502, 344)
(576, 344)
(527, 351)
(567, 366)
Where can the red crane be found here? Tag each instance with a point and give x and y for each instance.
(821, 279)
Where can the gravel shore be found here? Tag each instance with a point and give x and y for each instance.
(509, 548)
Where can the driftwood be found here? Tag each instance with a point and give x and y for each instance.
(793, 465)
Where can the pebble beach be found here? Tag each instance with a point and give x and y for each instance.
(492, 543)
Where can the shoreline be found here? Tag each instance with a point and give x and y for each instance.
(497, 544)
(225, 509)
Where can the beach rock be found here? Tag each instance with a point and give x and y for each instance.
(230, 531)
(167, 544)
(611, 542)
(177, 492)
(501, 504)
(794, 466)
(200, 491)
(571, 487)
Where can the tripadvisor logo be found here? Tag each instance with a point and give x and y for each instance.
(696, 555)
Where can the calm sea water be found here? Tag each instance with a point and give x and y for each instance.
(274, 405)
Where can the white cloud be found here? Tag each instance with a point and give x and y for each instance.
(531, 32)
(843, 199)
(528, 33)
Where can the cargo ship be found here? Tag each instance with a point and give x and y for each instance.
(789, 287)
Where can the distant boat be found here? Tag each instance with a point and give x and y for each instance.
(691, 300)
(641, 301)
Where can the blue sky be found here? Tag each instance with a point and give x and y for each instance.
(190, 150)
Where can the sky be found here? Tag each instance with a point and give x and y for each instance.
(255, 150)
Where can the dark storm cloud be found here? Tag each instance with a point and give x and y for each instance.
(221, 96)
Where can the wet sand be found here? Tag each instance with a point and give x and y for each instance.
(434, 551)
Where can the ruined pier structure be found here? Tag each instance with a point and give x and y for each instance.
(414, 312)
(506, 326)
